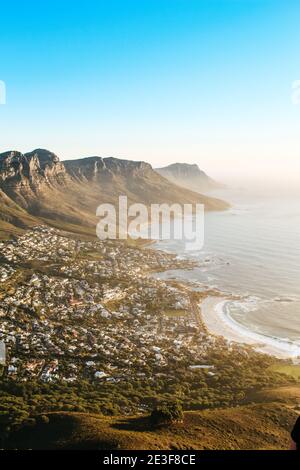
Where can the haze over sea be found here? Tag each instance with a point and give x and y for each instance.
(253, 250)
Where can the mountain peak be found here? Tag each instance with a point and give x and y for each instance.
(10, 154)
(188, 175)
(41, 156)
(183, 168)
(44, 156)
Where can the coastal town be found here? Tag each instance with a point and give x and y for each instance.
(88, 326)
(72, 309)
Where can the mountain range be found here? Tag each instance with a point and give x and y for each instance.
(189, 176)
(37, 187)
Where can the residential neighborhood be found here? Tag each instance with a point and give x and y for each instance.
(72, 309)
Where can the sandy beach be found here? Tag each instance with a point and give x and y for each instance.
(218, 322)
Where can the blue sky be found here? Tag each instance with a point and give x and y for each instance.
(157, 80)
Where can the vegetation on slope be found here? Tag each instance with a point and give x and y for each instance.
(246, 427)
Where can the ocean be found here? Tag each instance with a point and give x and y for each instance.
(252, 251)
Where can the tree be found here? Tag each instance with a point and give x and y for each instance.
(167, 413)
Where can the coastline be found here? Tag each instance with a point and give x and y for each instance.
(219, 323)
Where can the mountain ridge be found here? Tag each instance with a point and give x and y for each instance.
(66, 194)
(189, 175)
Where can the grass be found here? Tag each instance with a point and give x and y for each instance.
(112, 304)
(92, 255)
(172, 312)
(260, 426)
(291, 370)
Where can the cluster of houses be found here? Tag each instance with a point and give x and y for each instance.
(72, 310)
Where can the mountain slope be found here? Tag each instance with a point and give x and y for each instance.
(13, 219)
(189, 176)
(38, 187)
(264, 426)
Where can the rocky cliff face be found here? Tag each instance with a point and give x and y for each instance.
(94, 168)
(23, 176)
(34, 166)
(37, 187)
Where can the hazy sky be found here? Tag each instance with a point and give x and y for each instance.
(205, 82)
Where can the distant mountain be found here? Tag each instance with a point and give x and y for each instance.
(37, 187)
(189, 176)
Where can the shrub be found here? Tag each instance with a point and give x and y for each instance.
(167, 413)
(43, 419)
